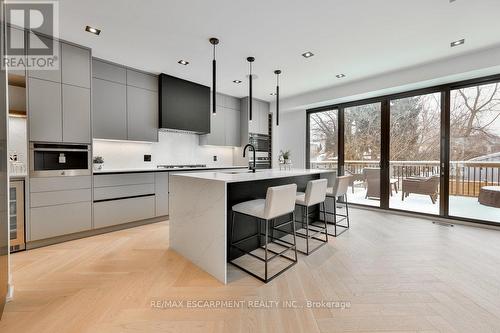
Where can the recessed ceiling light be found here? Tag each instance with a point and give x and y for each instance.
(183, 62)
(457, 42)
(93, 30)
(340, 76)
(273, 94)
(307, 54)
(237, 81)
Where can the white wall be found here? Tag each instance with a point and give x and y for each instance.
(291, 132)
(171, 148)
(468, 66)
(291, 135)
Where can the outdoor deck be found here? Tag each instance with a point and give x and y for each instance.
(461, 206)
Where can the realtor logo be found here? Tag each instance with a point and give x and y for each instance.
(28, 45)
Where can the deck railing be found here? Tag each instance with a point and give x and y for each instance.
(466, 177)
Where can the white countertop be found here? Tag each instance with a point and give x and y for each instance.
(245, 176)
(156, 169)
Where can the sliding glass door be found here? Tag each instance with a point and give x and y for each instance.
(474, 184)
(414, 163)
(433, 151)
(362, 147)
(323, 140)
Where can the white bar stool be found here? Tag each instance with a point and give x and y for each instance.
(279, 202)
(338, 190)
(315, 194)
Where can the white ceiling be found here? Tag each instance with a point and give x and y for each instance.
(360, 38)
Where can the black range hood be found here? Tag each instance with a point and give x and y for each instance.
(184, 105)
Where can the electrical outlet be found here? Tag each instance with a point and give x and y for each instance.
(215, 158)
(147, 158)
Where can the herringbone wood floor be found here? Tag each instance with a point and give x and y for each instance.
(398, 273)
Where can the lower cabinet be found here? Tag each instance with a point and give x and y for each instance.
(161, 191)
(53, 221)
(59, 206)
(113, 212)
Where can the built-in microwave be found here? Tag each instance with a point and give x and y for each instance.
(50, 160)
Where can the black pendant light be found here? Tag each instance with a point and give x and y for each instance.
(214, 42)
(250, 61)
(277, 72)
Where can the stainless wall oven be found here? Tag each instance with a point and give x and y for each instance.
(262, 144)
(50, 160)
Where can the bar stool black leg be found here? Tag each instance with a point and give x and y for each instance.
(265, 242)
(335, 215)
(294, 238)
(306, 218)
(346, 209)
(232, 234)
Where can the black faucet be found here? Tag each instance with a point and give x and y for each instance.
(244, 153)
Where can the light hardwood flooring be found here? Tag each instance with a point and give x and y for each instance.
(398, 274)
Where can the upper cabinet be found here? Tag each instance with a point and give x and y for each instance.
(109, 72)
(260, 119)
(109, 115)
(59, 107)
(125, 103)
(44, 110)
(142, 114)
(224, 124)
(75, 63)
(53, 75)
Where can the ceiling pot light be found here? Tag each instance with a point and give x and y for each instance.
(273, 94)
(308, 54)
(214, 42)
(237, 81)
(340, 76)
(457, 42)
(250, 61)
(93, 30)
(183, 62)
(277, 72)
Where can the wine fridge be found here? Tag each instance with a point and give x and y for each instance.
(16, 216)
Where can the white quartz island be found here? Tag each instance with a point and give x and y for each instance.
(199, 204)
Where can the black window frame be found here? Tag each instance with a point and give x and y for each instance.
(445, 91)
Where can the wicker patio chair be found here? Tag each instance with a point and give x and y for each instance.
(421, 185)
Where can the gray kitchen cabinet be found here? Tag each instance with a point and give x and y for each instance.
(231, 102)
(53, 75)
(59, 206)
(45, 110)
(18, 42)
(263, 127)
(122, 179)
(225, 125)
(110, 110)
(108, 213)
(52, 198)
(76, 114)
(47, 184)
(260, 121)
(53, 221)
(142, 114)
(108, 71)
(216, 137)
(115, 192)
(232, 127)
(75, 65)
(161, 193)
(142, 80)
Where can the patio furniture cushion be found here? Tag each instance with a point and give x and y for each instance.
(489, 196)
